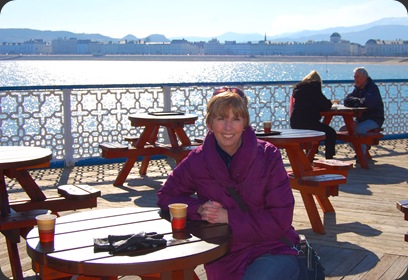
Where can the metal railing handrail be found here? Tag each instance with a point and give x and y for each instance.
(73, 119)
(209, 84)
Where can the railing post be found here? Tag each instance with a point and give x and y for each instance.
(167, 98)
(167, 107)
(68, 139)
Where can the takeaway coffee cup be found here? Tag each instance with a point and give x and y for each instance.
(267, 126)
(178, 215)
(46, 227)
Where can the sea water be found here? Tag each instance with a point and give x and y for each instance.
(83, 72)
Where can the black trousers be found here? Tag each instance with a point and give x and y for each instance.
(330, 141)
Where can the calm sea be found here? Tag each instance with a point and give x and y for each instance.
(82, 72)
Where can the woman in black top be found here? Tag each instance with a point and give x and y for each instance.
(307, 102)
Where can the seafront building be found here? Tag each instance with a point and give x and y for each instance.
(335, 47)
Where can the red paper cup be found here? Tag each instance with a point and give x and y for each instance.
(46, 227)
(267, 126)
(178, 215)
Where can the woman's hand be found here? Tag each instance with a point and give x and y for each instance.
(213, 212)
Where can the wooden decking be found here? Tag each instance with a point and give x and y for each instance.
(364, 239)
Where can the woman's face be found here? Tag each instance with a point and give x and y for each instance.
(227, 131)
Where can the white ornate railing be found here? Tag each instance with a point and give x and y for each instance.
(73, 120)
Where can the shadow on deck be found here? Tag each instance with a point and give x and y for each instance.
(364, 239)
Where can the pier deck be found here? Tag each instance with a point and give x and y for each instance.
(364, 239)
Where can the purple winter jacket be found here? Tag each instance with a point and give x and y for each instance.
(258, 175)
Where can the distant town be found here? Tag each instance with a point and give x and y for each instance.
(334, 47)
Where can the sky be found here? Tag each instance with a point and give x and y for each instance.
(186, 18)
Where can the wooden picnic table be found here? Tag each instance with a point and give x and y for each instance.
(73, 252)
(14, 163)
(310, 181)
(18, 216)
(348, 114)
(147, 146)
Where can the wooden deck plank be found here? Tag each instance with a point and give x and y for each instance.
(364, 239)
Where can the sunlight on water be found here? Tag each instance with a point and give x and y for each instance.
(80, 72)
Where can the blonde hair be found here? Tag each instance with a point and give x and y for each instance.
(221, 104)
(312, 77)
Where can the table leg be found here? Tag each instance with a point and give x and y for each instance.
(312, 151)
(360, 155)
(14, 257)
(145, 164)
(29, 185)
(149, 136)
(130, 162)
(181, 134)
(312, 212)
(4, 201)
(325, 204)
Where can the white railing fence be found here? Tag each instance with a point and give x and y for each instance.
(73, 120)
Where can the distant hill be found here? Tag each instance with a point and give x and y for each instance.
(384, 29)
(19, 35)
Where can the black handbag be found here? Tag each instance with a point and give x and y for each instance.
(310, 267)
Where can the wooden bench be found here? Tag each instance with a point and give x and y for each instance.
(71, 197)
(334, 166)
(324, 185)
(403, 207)
(112, 149)
(181, 152)
(320, 187)
(12, 227)
(371, 138)
(132, 140)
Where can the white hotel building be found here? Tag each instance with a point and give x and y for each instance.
(335, 47)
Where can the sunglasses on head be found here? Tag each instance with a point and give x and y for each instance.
(230, 89)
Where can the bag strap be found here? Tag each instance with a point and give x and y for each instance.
(234, 194)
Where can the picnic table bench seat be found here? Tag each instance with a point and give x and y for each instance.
(334, 166)
(117, 150)
(371, 138)
(179, 153)
(323, 185)
(70, 197)
(17, 220)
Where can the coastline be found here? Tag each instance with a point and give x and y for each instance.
(236, 58)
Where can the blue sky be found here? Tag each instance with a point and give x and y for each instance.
(179, 18)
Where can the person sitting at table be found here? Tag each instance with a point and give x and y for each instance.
(307, 102)
(365, 94)
(235, 178)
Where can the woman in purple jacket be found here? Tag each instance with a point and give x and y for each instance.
(232, 158)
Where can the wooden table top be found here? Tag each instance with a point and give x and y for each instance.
(343, 110)
(23, 156)
(142, 119)
(73, 250)
(290, 136)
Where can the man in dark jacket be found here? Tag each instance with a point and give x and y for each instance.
(308, 101)
(366, 94)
